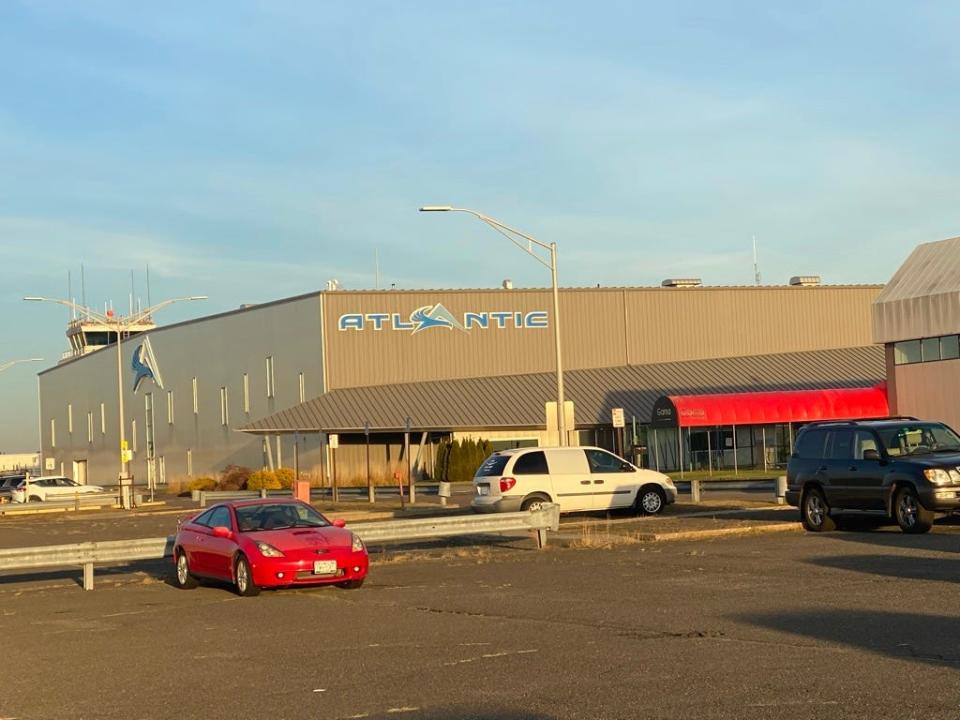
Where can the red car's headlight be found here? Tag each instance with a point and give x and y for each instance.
(357, 543)
(268, 550)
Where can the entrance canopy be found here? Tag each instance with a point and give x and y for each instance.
(765, 408)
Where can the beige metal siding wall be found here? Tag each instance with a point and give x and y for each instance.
(697, 324)
(600, 327)
(928, 391)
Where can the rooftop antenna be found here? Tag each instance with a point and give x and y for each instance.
(131, 292)
(756, 265)
(83, 291)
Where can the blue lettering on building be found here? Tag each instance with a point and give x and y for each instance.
(437, 316)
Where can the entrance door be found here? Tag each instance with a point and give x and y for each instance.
(80, 472)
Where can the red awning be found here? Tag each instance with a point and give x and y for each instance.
(763, 408)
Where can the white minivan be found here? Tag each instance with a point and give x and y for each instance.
(579, 479)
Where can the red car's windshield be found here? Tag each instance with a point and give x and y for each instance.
(278, 516)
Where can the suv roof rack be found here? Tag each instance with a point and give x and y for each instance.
(854, 423)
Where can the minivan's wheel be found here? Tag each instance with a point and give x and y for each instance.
(34, 498)
(911, 516)
(815, 513)
(185, 581)
(534, 502)
(650, 500)
(244, 578)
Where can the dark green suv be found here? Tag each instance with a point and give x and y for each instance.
(905, 468)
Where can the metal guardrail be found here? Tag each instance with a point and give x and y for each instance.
(204, 497)
(76, 502)
(117, 552)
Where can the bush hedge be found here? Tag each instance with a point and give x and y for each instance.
(458, 460)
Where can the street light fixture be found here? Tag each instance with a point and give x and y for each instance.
(121, 324)
(11, 363)
(530, 247)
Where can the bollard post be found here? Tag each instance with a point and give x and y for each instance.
(781, 490)
(263, 492)
(88, 576)
(694, 491)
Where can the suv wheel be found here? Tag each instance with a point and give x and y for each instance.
(815, 513)
(911, 516)
(650, 500)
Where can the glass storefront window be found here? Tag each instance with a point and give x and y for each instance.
(906, 352)
(949, 347)
(930, 349)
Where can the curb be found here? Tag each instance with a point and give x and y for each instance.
(568, 540)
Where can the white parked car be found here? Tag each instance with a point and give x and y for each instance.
(579, 479)
(50, 488)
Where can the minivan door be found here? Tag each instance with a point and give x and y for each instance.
(572, 481)
(614, 480)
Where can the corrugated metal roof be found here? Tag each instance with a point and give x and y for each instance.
(517, 401)
(922, 299)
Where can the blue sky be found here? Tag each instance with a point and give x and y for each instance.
(249, 151)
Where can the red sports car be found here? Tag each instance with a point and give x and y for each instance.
(268, 543)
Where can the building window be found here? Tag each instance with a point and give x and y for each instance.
(303, 389)
(169, 407)
(906, 352)
(89, 427)
(196, 402)
(930, 349)
(133, 435)
(189, 462)
(949, 347)
(103, 419)
(224, 407)
(69, 417)
(53, 432)
(246, 393)
(270, 377)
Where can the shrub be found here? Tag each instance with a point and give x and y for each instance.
(284, 477)
(204, 482)
(458, 460)
(263, 480)
(234, 477)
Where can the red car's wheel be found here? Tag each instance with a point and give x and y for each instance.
(351, 584)
(243, 575)
(185, 581)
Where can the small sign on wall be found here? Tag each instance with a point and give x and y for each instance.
(617, 417)
(334, 441)
(49, 464)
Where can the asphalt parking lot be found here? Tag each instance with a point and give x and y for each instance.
(787, 625)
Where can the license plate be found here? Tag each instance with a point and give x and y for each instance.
(483, 490)
(324, 567)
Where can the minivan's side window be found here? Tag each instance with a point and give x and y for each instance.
(604, 462)
(532, 463)
(811, 443)
(840, 445)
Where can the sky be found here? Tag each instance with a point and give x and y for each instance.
(254, 150)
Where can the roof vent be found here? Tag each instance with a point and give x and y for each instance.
(681, 282)
(805, 280)
(508, 284)
(334, 284)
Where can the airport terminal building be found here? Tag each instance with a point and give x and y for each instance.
(251, 386)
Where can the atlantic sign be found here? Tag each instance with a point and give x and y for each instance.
(437, 316)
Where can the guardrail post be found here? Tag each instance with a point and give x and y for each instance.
(263, 492)
(694, 490)
(203, 499)
(541, 538)
(88, 576)
(780, 489)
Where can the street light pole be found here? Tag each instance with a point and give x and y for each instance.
(512, 235)
(121, 325)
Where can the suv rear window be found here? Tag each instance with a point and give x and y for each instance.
(493, 465)
(532, 463)
(810, 444)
